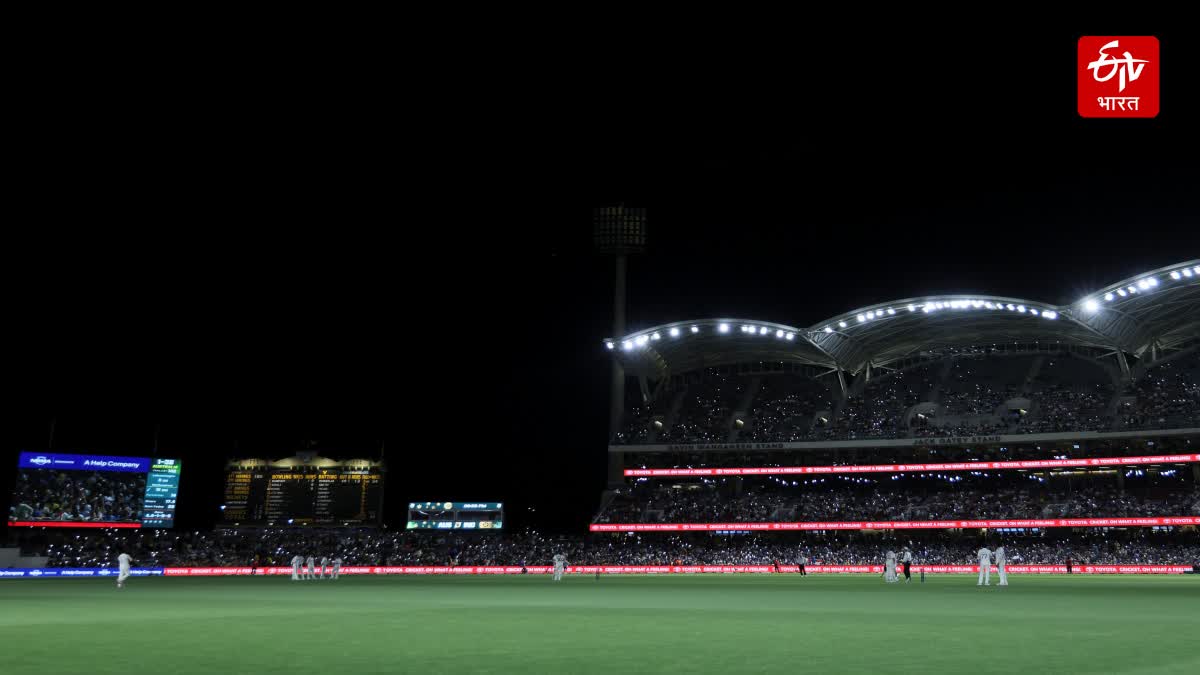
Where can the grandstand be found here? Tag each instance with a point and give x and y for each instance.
(766, 426)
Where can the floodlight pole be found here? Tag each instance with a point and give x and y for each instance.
(619, 231)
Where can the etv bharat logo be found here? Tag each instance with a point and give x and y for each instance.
(1118, 76)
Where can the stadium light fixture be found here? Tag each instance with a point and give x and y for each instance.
(1021, 308)
(778, 333)
(861, 318)
(990, 305)
(828, 329)
(1196, 269)
(674, 332)
(1143, 284)
(1153, 281)
(627, 345)
(1050, 314)
(870, 315)
(609, 345)
(724, 328)
(912, 308)
(1091, 305)
(842, 324)
(1121, 292)
(1132, 289)
(926, 308)
(1108, 297)
(763, 331)
(1010, 307)
(1188, 273)
(656, 336)
(1033, 311)
(791, 336)
(695, 329)
(1175, 275)
(891, 311)
(643, 339)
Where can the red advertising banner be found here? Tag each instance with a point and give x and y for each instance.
(685, 569)
(897, 524)
(900, 468)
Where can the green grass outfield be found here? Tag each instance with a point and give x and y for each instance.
(631, 624)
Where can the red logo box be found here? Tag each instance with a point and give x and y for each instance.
(1118, 76)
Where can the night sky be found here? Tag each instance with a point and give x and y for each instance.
(252, 268)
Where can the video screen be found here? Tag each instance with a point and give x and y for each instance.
(67, 490)
(455, 516)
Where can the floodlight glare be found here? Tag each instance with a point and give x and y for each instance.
(643, 339)
(627, 345)
(1108, 297)
(1153, 281)
(1188, 273)
(1132, 289)
(609, 345)
(1175, 275)
(1033, 311)
(791, 336)
(779, 333)
(1021, 308)
(656, 336)
(1091, 305)
(912, 308)
(724, 328)
(674, 332)
(1121, 292)
(1143, 284)
(926, 308)
(1048, 314)
(842, 324)
(861, 318)
(695, 329)
(1196, 269)
(828, 329)
(870, 315)
(763, 331)
(891, 311)
(1010, 307)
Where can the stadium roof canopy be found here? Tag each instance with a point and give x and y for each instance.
(1152, 312)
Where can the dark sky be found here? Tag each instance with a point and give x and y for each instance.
(328, 255)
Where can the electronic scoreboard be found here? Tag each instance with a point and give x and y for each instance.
(460, 516)
(56, 489)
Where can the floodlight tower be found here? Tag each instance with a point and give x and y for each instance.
(619, 231)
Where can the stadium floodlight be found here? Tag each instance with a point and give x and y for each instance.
(1121, 292)
(870, 315)
(763, 331)
(990, 305)
(1196, 269)
(695, 329)
(1108, 297)
(926, 308)
(791, 336)
(674, 332)
(842, 324)
(1010, 307)
(1175, 275)
(1153, 281)
(861, 318)
(828, 329)
(1143, 284)
(1091, 305)
(643, 339)
(891, 311)
(609, 345)
(1021, 308)
(724, 328)
(627, 345)
(1132, 289)
(778, 333)
(1188, 273)
(1033, 311)
(912, 308)
(656, 336)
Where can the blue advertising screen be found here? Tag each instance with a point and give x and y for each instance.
(72, 490)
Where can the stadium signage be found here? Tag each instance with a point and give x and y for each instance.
(898, 468)
(899, 524)
(957, 440)
(38, 460)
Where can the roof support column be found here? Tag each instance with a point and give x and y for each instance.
(1124, 364)
(842, 381)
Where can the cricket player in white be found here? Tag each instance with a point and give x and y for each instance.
(907, 559)
(123, 562)
(985, 567)
(560, 564)
(324, 565)
(337, 566)
(1001, 565)
(889, 567)
(297, 561)
(309, 564)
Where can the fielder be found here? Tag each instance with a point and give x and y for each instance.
(324, 565)
(560, 565)
(297, 561)
(337, 566)
(985, 567)
(907, 565)
(1001, 565)
(889, 568)
(309, 565)
(123, 562)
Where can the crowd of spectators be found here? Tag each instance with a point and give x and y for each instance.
(1167, 396)
(900, 498)
(96, 496)
(383, 547)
